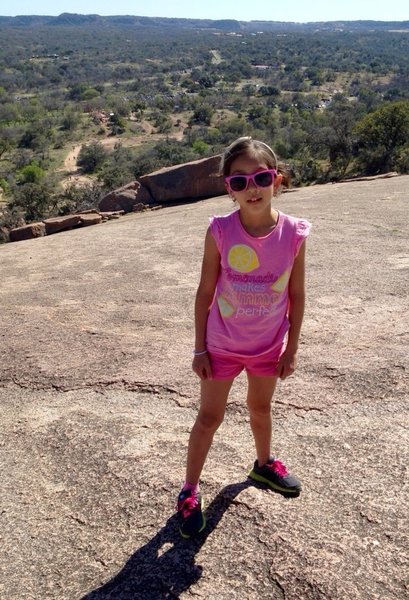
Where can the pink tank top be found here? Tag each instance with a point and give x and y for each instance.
(249, 313)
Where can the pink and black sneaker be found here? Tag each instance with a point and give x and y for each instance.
(190, 509)
(275, 474)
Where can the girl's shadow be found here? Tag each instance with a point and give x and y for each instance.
(157, 573)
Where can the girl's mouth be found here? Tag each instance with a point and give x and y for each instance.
(252, 200)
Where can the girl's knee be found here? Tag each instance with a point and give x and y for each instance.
(209, 421)
(260, 412)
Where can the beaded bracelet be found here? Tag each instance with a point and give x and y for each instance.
(200, 353)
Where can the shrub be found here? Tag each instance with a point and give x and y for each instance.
(91, 157)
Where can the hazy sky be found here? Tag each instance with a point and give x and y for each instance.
(244, 10)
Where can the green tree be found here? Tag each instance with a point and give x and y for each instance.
(117, 124)
(31, 174)
(70, 120)
(202, 115)
(35, 199)
(4, 186)
(381, 135)
(162, 121)
(200, 147)
(91, 157)
(118, 168)
(7, 141)
(76, 198)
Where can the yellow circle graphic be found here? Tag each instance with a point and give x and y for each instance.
(242, 258)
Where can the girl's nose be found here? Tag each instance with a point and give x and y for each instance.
(252, 184)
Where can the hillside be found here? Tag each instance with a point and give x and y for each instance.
(98, 398)
(200, 24)
(128, 95)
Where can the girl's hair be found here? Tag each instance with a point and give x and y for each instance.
(246, 146)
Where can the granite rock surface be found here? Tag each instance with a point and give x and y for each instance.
(97, 401)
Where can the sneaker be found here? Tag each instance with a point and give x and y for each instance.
(275, 474)
(190, 509)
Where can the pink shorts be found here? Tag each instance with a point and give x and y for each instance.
(228, 366)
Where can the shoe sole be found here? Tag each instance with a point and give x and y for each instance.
(185, 535)
(274, 486)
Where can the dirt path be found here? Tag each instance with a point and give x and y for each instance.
(74, 174)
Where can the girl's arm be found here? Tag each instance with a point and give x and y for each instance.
(204, 299)
(296, 291)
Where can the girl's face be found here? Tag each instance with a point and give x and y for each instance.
(253, 198)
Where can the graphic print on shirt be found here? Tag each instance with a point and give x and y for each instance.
(249, 295)
(226, 309)
(242, 258)
(282, 281)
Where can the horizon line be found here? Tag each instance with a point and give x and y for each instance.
(208, 18)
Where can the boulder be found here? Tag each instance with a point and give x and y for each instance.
(56, 224)
(125, 198)
(27, 232)
(197, 179)
(89, 219)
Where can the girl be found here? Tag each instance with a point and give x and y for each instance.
(248, 313)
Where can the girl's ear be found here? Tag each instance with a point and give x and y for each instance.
(229, 191)
(278, 181)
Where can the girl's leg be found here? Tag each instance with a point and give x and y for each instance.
(259, 395)
(213, 399)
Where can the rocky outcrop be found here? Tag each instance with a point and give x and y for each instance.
(126, 197)
(97, 400)
(197, 179)
(27, 232)
(56, 224)
(188, 181)
(89, 219)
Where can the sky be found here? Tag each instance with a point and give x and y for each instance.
(300, 11)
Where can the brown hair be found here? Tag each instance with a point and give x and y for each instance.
(246, 146)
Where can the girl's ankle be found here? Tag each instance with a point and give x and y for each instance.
(193, 487)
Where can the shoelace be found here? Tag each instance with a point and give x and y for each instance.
(188, 506)
(278, 467)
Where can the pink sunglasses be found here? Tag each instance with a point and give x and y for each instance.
(239, 183)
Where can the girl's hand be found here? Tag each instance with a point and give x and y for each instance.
(287, 364)
(201, 366)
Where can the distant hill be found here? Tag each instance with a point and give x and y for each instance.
(71, 19)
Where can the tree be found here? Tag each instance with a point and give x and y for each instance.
(70, 120)
(200, 147)
(76, 198)
(31, 174)
(7, 141)
(269, 90)
(118, 168)
(91, 156)
(4, 186)
(162, 121)
(117, 124)
(381, 135)
(202, 115)
(35, 199)
(332, 133)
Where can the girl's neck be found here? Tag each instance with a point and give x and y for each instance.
(259, 225)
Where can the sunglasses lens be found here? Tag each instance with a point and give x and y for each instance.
(238, 184)
(264, 179)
